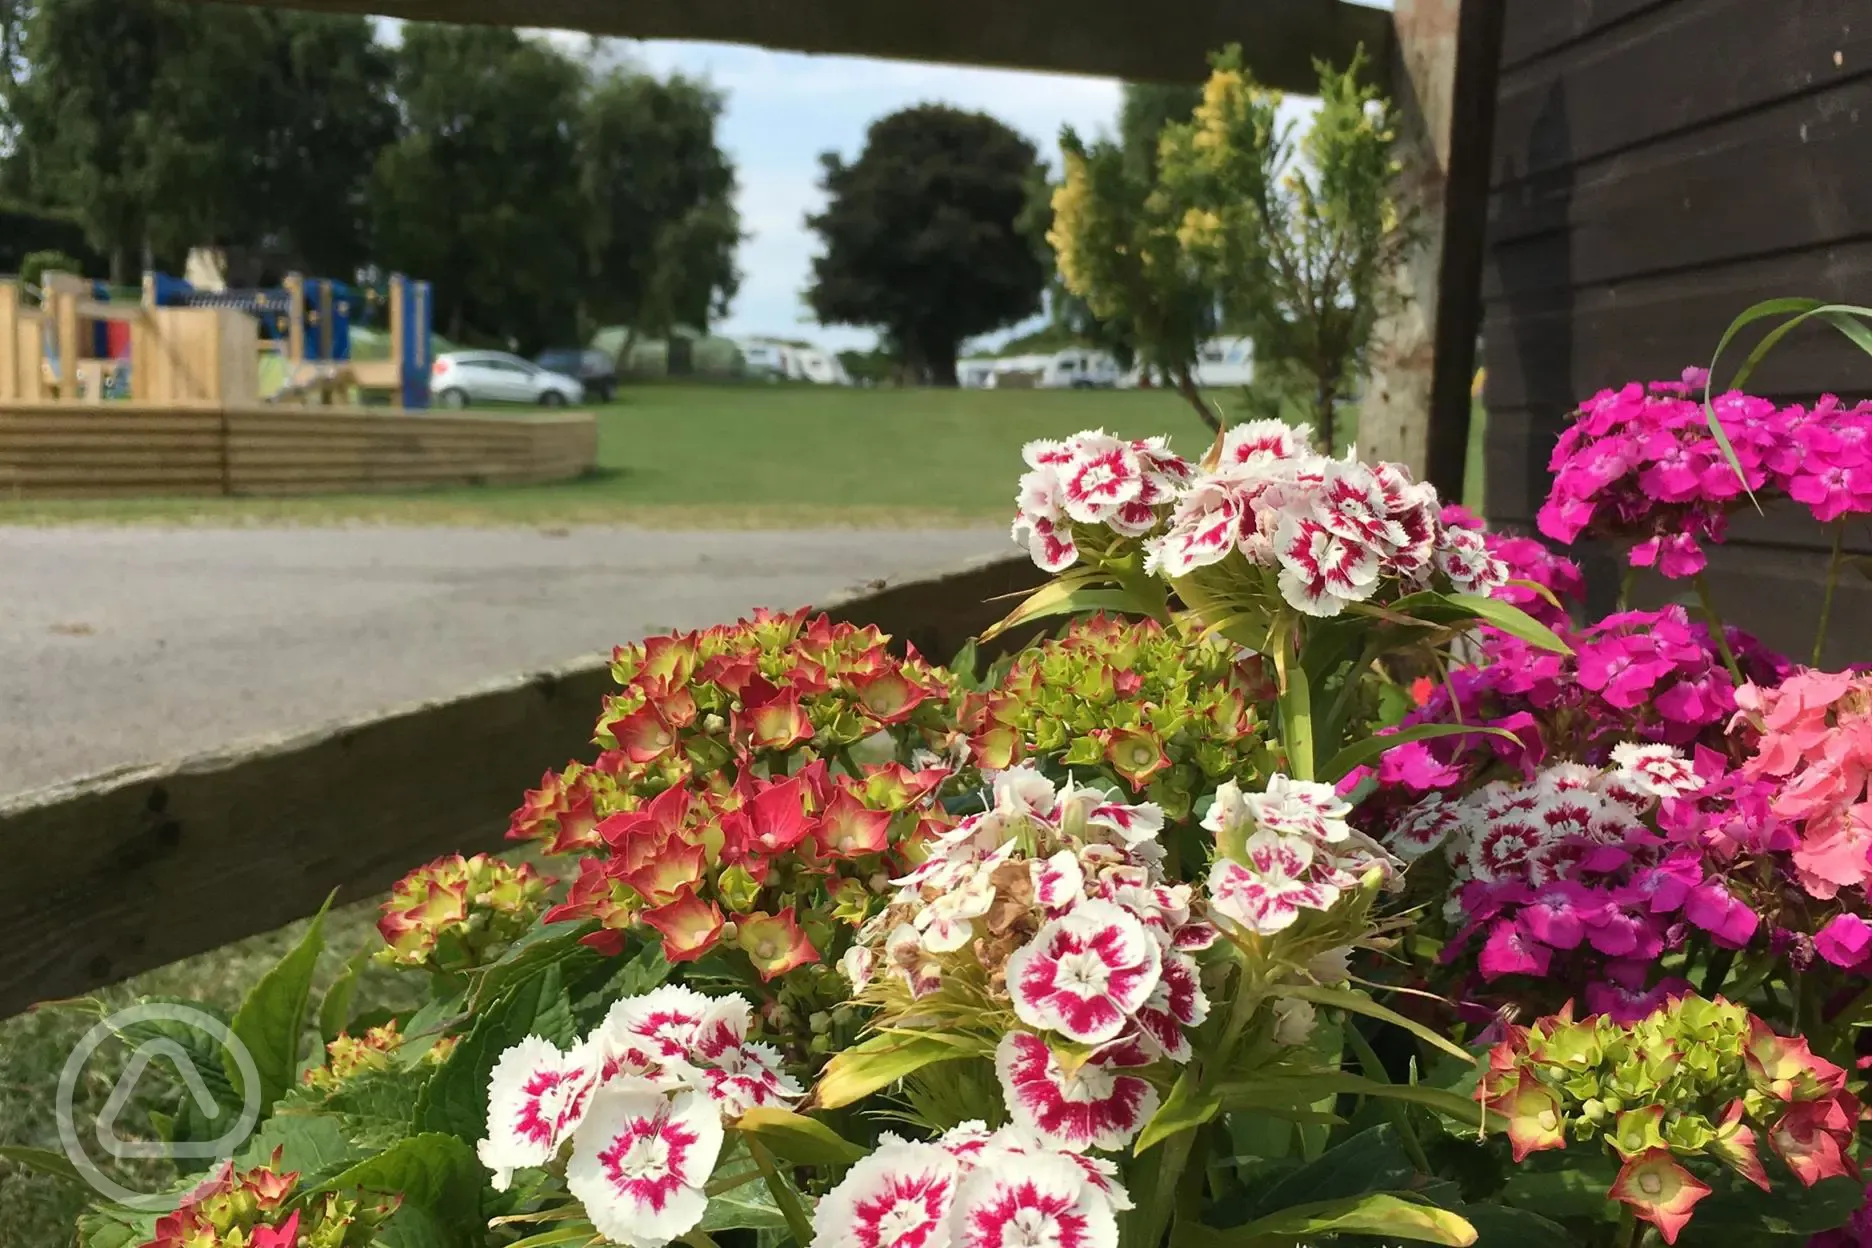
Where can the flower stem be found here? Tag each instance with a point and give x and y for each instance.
(1630, 1229)
(1717, 971)
(795, 1216)
(1716, 628)
(1626, 581)
(1826, 603)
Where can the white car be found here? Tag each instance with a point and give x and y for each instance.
(462, 378)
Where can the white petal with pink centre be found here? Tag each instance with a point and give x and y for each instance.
(1464, 557)
(748, 1076)
(1320, 571)
(1095, 1105)
(1177, 1003)
(1082, 975)
(965, 1141)
(1263, 904)
(1656, 770)
(1103, 476)
(537, 1097)
(856, 965)
(1046, 1203)
(641, 1161)
(1058, 881)
(1258, 443)
(641, 1035)
(920, 971)
(901, 1196)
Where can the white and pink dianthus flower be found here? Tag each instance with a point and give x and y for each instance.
(641, 1162)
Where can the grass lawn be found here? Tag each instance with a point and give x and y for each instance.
(40, 1212)
(694, 456)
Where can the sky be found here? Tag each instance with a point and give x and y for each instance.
(784, 109)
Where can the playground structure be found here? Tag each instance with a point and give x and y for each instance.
(205, 393)
(185, 347)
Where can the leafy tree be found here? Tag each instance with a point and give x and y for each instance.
(332, 114)
(1145, 111)
(480, 192)
(202, 125)
(1289, 239)
(921, 235)
(1298, 234)
(1115, 237)
(662, 227)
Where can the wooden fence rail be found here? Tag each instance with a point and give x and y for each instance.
(116, 874)
(130, 449)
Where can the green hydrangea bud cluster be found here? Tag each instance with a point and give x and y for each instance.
(1695, 1079)
(458, 913)
(1171, 716)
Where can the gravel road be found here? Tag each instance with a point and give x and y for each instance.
(129, 645)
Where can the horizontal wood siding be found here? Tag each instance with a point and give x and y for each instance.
(122, 449)
(1659, 166)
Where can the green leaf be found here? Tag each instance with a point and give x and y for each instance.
(454, 1101)
(1248, 1094)
(1068, 594)
(801, 1140)
(311, 1144)
(1512, 620)
(1371, 1161)
(1187, 1107)
(335, 1009)
(1842, 316)
(437, 1173)
(1499, 1226)
(584, 1233)
(110, 1226)
(749, 1207)
(857, 1072)
(1357, 1002)
(42, 1161)
(1361, 752)
(1375, 1213)
(271, 1022)
(548, 945)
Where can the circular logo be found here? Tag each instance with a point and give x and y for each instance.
(238, 1127)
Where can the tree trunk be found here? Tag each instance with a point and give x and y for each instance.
(1186, 386)
(942, 368)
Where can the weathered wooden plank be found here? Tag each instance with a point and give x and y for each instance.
(1668, 69)
(1774, 594)
(127, 871)
(1415, 409)
(1165, 41)
(1790, 177)
(1538, 27)
(1547, 348)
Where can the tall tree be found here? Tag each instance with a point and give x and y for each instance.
(480, 193)
(659, 195)
(922, 236)
(333, 114)
(229, 125)
(1145, 109)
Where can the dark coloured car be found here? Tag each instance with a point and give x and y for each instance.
(594, 369)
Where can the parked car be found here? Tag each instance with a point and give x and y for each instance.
(594, 369)
(463, 377)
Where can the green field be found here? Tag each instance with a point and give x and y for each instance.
(743, 456)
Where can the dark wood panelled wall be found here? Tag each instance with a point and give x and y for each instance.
(1660, 165)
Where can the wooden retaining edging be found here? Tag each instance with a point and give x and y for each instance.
(68, 450)
(118, 873)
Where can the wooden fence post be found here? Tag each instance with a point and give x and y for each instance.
(1444, 60)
